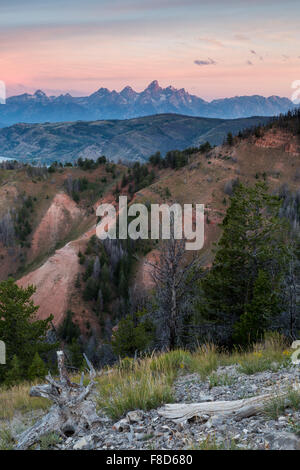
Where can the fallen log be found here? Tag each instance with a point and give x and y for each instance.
(73, 410)
(240, 409)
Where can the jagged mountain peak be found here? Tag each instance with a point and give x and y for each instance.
(127, 89)
(126, 104)
(40, 94)
(101, 91)
(153, 86)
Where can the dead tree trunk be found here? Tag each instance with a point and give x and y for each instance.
(175, 282)
(73, 411)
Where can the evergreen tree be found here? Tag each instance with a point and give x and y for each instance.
(252, 250)
(259, 312)
(77, 282)
(124, 181)
(22, 333)
(290, 319)
(123, 284)
(91, 289)
(105, 275)
(229, 138)
(68, 329)
(76, 356)
(14, 374)
(37, 368)
(134, 333)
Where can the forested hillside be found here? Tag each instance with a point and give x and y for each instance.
(129, 140)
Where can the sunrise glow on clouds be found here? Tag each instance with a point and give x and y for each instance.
(211, 48)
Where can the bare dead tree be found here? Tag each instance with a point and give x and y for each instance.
(73, 410)
(175, 282)
(7, 230)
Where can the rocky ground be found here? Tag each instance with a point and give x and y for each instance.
(275, 428)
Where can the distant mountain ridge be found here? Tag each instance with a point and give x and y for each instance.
(127, 104)
(130, 139)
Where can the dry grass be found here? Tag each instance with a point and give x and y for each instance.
(274, 408)
(17, 399)
(269, 355)
(147, 383)
(139, 387)
(210, 443)
(6, 439)
(205, 360)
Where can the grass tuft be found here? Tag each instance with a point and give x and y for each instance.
(274, 408)
(47, 441)
(216, 380)
(205, 360)
(140, 388)
(6, 439)
(293, 399)
(17, 399)
(269, 355)
(210, 443)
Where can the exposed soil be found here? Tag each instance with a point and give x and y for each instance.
(279, 138)
(57, 222)
(54, 282)
(55, 279)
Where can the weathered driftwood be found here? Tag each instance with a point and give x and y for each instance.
(244, 408)
(73, 411)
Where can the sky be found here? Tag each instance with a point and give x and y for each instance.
(212, 48)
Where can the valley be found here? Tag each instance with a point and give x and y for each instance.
(61, 227)
(95, 289)
(127, 140)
